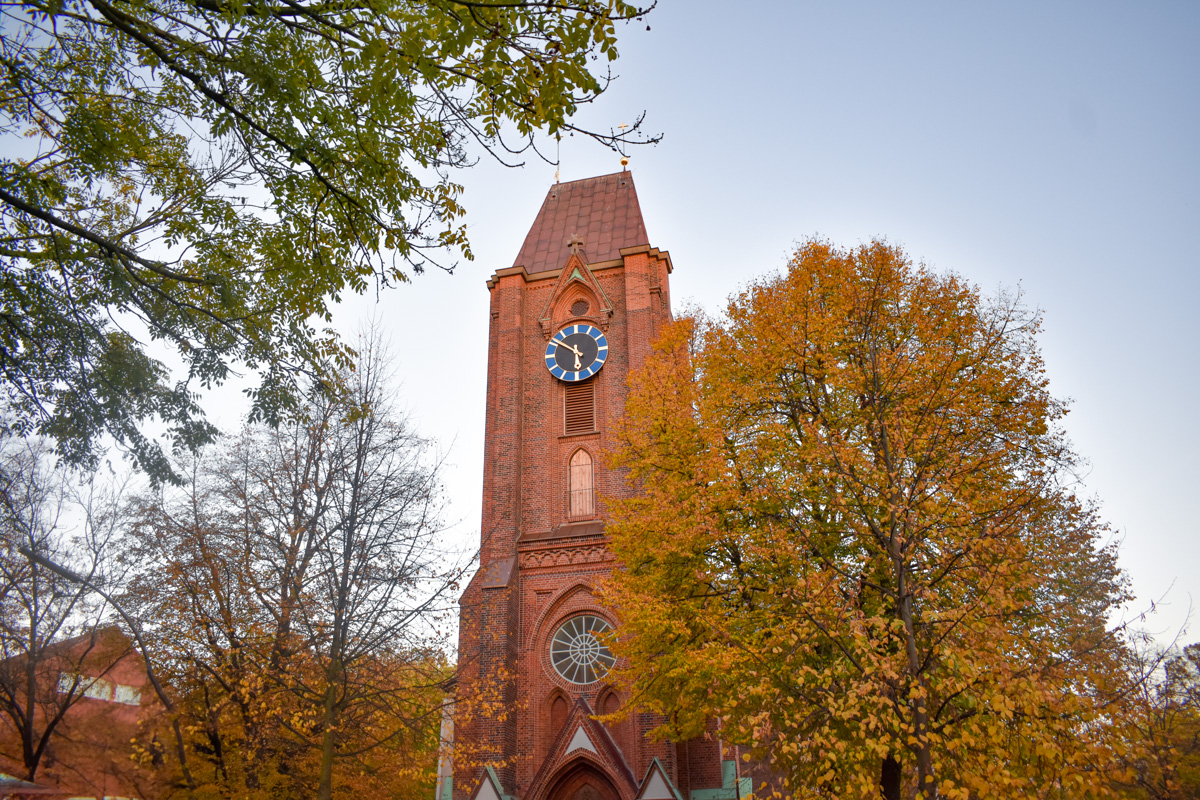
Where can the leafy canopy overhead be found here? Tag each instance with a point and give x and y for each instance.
(858, 543)
(213, 173)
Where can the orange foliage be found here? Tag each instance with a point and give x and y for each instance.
(1162, 724)
(858, 543)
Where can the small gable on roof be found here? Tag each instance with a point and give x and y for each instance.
(657, 784)
(575, 281)
(489, 787)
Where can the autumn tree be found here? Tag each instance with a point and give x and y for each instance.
(1161, 723)
(298, 577)
(212, 176)
(50, 628)
(859, 543)
(379, 580)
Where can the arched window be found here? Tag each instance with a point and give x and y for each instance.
(611, 704)
(558, 713)
(581, 493)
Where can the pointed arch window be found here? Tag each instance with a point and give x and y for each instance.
(581, 481)
(558, 713)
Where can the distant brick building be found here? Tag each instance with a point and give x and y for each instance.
(569, 320)
(98, 683)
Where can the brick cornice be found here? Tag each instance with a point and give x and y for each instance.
(597, 266)
(653, 252)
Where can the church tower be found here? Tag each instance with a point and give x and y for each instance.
(570, 319)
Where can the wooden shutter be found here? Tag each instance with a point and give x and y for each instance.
(581, 491)
(580, 408)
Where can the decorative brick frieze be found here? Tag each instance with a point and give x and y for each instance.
(566, 556)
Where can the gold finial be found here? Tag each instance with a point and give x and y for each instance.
(624, 158)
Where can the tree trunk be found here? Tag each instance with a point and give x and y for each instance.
(889, 778)
(927, 787)
(328, 743)
(28, 750)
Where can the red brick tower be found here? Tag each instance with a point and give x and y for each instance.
(573, 315)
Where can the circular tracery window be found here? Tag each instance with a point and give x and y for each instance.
(577, 652)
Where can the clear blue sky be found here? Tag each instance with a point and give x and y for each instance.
(1051, 147)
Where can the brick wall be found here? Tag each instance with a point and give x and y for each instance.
(535, 570)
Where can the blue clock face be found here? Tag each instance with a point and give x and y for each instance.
(576, 353)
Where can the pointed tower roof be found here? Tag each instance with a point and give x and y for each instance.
(603, 212)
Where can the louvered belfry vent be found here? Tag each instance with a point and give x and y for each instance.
(580, 408)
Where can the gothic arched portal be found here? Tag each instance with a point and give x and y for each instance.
(582, 781)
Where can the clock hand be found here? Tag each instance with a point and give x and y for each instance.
(577, 354)
(572, 348)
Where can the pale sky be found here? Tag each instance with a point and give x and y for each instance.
(1047, 146)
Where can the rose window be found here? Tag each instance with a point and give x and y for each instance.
(577, 652)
